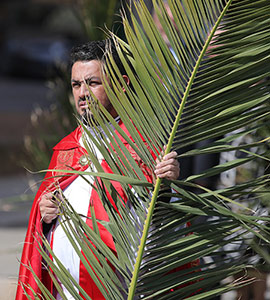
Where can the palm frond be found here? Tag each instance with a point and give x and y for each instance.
(177, 98)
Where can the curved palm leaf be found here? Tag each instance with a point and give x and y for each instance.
(176, 99)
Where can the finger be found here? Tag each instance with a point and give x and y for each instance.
(160, 156)
(47, 196)
(54, 197)
(49, 210)
(169, 171)
(171, 175)
(170, 155)
(48, 203)
(48, 218)
(171, 162)
(48, 206)
(166, 169)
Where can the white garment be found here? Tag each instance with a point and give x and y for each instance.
(78, 195)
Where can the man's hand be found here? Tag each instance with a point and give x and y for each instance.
(49, 207)
(169, 167)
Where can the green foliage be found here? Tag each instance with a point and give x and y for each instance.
(196, 95)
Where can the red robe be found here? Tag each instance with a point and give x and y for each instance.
(66, 153)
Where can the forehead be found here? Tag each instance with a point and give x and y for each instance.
(82, 69)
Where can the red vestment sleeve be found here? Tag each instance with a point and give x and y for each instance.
(30, 254)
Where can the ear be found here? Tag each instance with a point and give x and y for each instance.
(126, 78)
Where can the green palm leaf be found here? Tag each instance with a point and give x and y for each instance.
(176, 100)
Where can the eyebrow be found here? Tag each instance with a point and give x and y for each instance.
(85, 79)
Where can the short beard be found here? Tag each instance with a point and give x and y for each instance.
(88, 119)
(87, 116)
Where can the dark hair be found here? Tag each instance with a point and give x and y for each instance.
(96, 50)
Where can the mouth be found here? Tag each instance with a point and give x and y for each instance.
(83, 104)
(87, 105)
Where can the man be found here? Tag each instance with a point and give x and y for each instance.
(86, 74)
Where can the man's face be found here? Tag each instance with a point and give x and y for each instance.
(87, 75)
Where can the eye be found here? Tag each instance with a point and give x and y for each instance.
(92, 82)
(75, 84)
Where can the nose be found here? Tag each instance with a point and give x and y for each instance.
(84, 92)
